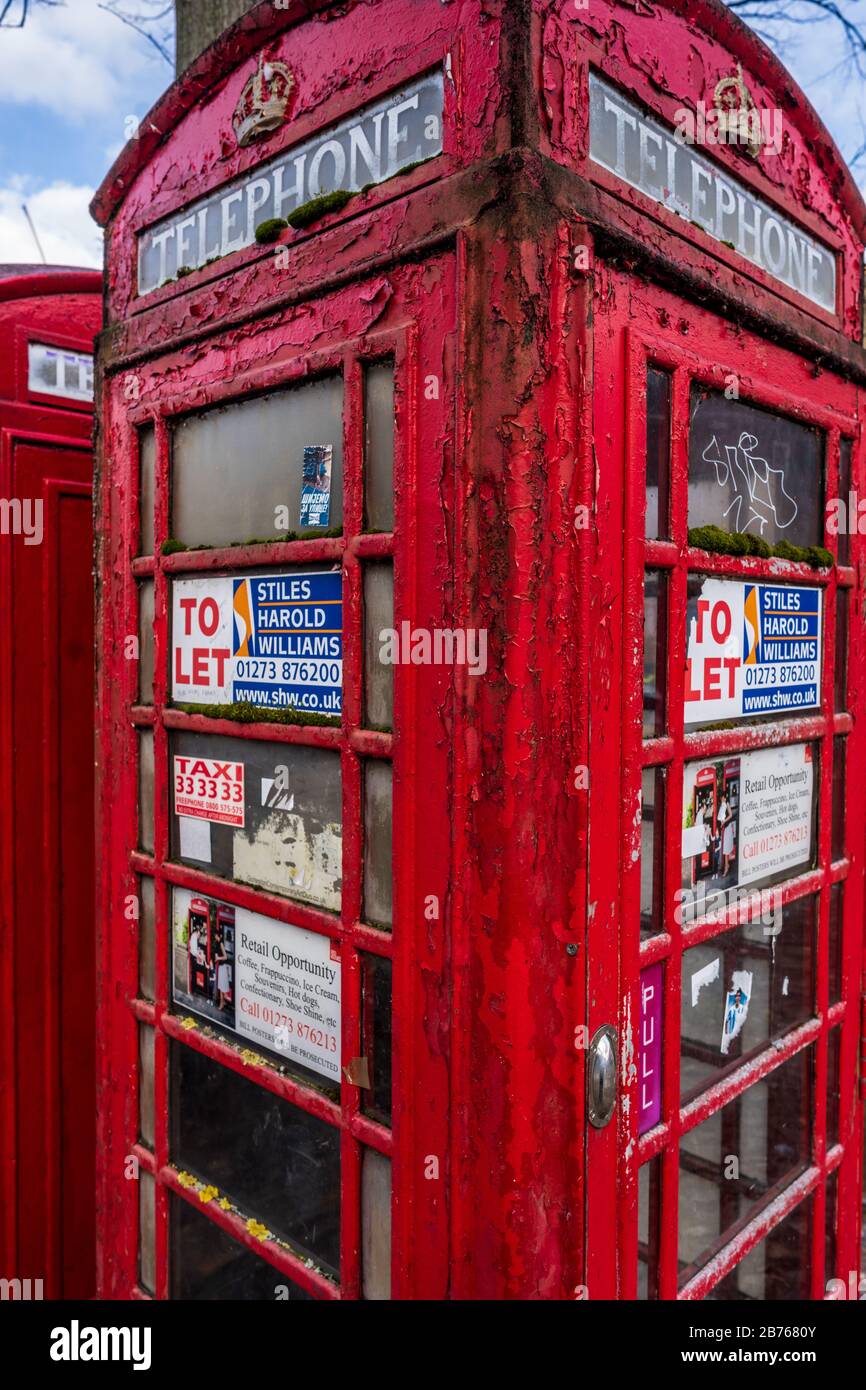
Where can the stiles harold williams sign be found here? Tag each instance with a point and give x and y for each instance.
(367, 148)
(651, 158)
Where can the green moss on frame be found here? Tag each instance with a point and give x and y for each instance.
(286, 536)
(318, 207)
(174, 547)
(270, 229)
(719, 542)
(242, 712)
(406, 169)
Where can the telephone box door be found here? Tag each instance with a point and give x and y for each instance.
(47, 643)
(279, 1060)
(726, 941)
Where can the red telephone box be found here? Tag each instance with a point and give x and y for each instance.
(704, 813)
(472, 427)
(49, 317)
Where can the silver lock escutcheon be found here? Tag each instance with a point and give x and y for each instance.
(601, 1076)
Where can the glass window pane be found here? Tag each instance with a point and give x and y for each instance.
(658, 446)
(209, 1265)
(838, 825)
(836, 905)
(238, 469)
(375, 1225)
(379, 416)
(147, 474)
(146, 939)
(378, 616)
(744, 989)
(648, 1229)
(840, 680)
(377, 842)
(778, 1269)
(145, 1084)
(843, 553)
(145, 642)
(833, 1045)
(739, 1158)
(652, 848)
(376, 1036)
(283, 830)
(751, 470)
(277, 1163)
(145, 790)
(146, 1231)
(654, 652)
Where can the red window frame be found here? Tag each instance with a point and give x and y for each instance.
(416, 340)
(693, 349)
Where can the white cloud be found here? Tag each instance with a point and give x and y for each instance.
(63, 223)
(76, 60)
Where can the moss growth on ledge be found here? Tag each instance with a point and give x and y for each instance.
(398, 173)
(243, 712)
(173, 547)
(318, 207)
(270, 229)
(185, 270)
(719, 542)
(285, 536)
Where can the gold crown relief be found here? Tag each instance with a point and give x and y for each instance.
(263, 102)
(737, 110)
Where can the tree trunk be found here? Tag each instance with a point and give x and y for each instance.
(200, 21)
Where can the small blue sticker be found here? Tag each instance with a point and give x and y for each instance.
(316, 486)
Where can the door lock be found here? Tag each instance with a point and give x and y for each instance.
(601, 1076)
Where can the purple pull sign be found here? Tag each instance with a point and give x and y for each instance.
(649, 1066)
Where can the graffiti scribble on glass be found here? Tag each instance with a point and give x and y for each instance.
(751, 470)
(757, 491)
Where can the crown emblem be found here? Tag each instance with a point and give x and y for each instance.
(263, 102)
(739, 118)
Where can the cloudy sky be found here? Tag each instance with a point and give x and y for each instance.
(74, 76)
(69, 81)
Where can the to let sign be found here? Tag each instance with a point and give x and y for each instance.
(752, 649)
(274, 640)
